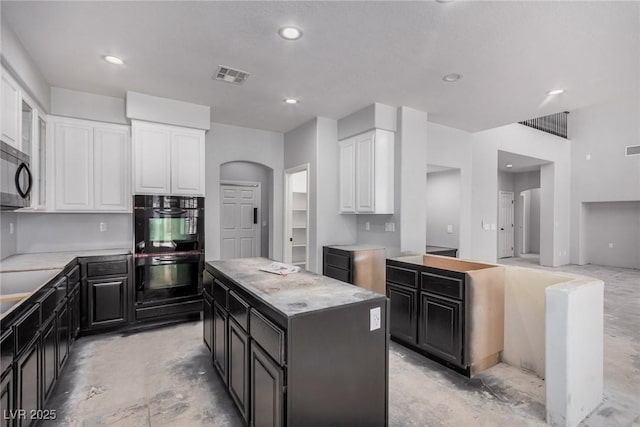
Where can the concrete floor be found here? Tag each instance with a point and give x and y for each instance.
(164, 377)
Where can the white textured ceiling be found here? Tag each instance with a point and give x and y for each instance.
(352, 54)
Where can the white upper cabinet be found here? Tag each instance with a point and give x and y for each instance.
(10, 120)
(367, 173)
(111, 174)
(92, 166)
(152, 159)
(168, 159)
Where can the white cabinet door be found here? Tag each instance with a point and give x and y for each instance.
(73, 166)
(187, 162)
(365, 156)
(111, 168)
(152, 159)
(347, 176)
(10, 121)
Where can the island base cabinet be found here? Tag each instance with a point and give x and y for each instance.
(27, 382)
(207, 321)
(7, 398)
(266, 390)
(220, 319)
(440, 328)
(239, 367)
(402, 307)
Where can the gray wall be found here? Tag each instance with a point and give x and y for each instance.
(247, 171)
(443, 208)
(616, 224)
(50, 232)
(534, 221)
(601, 133)
(9, 241)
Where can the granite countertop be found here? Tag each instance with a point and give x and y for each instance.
(295, 293)
(50, 260)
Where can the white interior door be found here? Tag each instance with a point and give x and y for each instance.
(239, 221)
(505, 225)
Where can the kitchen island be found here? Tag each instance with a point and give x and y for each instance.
(301, 349)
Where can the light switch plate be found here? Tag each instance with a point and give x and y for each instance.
(374, 319)
(450, 228)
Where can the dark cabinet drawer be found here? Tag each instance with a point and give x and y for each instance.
(337, 258)
(338, 274)
(107, 268)
(26, 328)
(74, 276)
(239, 310)
(402, 276)
(220, 293)
(442, 285)
(268, 335)
(48, 303)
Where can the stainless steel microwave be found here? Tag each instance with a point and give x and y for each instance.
(15, 178)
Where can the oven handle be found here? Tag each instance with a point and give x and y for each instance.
(170, 211)
(165, 260)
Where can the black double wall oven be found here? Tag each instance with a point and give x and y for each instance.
(169, 254)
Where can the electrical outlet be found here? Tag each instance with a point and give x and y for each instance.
(103, 226)
(449, 228)
(367, 226)
(11, 230)
(390, 226)
(610, 245)
(374, 319)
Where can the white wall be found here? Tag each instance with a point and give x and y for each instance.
(226, 143)
(51, 232)
(602, 132)
(443, 208)
(9, 240)
(452, 148)
(555, 184)
(84, 105)
(22, 67)
(612, 233)
(534, 221)
(247, 171)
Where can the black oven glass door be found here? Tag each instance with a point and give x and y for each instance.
(169, 230)
(167, 277)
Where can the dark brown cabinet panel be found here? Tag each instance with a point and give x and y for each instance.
(28, 381)
(266, 390)
(440, 327)
(207, 320)
(220, 319)
(62, 326)
(74, 315)
(7, 399)
(403, 307)
(239, 367)
(107, 302)
(49, 364)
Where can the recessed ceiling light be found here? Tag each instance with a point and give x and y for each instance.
(555, 92)
(291, 101)
(290, 33)
(114, 60)
(509, 165)
(453, 77)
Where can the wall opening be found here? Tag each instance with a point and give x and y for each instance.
(443, 206)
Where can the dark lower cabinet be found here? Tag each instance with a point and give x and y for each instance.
(48, 346)
(207, 320)
(74, 313)
(107, 302)
(266, 390)
(7, 398)
(220, 319)
(239, 367)
(403, 311)
(440, 328)
(62, 324)
(28, 381)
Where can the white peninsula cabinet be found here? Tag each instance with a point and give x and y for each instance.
(366, 173)
(167, 159)
(92, 166)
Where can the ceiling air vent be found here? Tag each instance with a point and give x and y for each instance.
(633, 150)
(230, 75)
